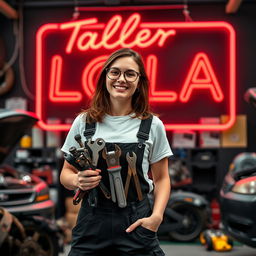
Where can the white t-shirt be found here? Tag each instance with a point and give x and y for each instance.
(123, 129)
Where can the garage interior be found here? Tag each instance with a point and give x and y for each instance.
(200, 58)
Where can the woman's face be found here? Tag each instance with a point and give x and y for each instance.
(122, 87)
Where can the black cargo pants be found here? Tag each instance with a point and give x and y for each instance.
(101, 231)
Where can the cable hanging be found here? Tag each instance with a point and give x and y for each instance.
(76, 12)
(23, 80)
(186, 11)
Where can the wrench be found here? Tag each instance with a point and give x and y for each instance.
(131, 159)
(81, 160)
(95, 147)
(115, 179)
(111, 161)
(85, 162)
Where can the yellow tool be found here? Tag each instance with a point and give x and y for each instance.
(216, 240)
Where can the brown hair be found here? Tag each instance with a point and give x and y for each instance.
(100, 103)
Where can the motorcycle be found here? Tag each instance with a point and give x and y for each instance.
(238, 193)
(27, 213)
(187, 213)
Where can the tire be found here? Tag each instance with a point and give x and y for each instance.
(15, 237)
(40, 241)
(194, 222)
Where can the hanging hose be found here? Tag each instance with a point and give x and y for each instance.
(6, 80)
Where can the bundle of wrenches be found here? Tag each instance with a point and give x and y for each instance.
(84, 161)
(114, 172)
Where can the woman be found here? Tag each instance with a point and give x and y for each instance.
(120, 115)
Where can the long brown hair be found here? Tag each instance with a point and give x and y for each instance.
(100, 103)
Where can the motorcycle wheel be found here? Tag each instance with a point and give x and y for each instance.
(194, 221)
(39, 241)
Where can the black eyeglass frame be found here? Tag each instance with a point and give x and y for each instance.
(138, 74)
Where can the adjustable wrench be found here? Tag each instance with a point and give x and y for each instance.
(115, 179)
(131, 159)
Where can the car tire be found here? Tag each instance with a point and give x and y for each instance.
(195, 221)
(39, 240)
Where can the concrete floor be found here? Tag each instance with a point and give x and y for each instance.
(199, 250)
(195, 249)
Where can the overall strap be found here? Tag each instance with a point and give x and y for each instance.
(143, 133)
(89, 130)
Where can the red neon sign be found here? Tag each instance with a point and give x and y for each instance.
(183, 73)
(193, 81)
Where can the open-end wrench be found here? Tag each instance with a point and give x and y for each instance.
(115, 179)
(131, 159)
(95, 147)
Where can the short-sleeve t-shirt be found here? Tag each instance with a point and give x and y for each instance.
(123, 129)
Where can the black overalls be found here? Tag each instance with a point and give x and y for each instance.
(100, 229)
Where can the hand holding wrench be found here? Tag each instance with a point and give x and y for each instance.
(80, 159)
(83, 161)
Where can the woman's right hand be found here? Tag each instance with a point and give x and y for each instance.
(88, 179)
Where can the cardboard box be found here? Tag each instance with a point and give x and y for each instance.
(236, 136)
(184, 139)
(209, 139)
(53, 138)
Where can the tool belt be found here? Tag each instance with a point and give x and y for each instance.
(121, 165)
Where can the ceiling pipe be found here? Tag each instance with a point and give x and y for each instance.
(7, 10)
(232, 6)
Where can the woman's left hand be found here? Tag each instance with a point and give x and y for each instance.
(152, 223)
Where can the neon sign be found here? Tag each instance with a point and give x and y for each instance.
(180, 58)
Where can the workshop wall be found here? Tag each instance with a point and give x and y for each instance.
(35, 14)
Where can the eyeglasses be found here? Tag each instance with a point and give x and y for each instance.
(129, 75)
